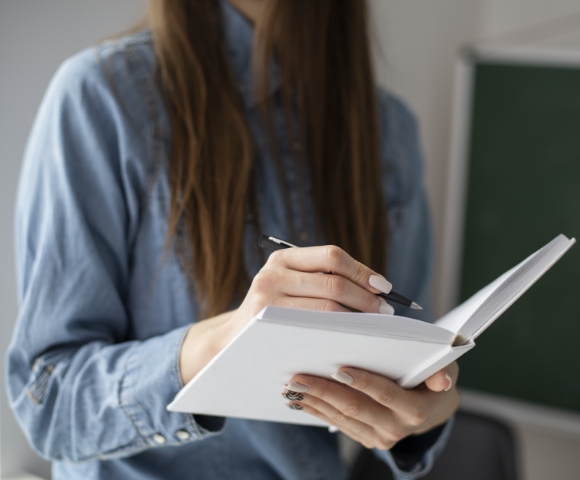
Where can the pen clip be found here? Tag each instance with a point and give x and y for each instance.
(273, 243)
(282, 242)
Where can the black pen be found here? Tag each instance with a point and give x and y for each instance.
(273, 244)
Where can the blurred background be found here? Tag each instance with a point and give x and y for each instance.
(496, 87)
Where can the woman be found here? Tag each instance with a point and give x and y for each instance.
(153, 165)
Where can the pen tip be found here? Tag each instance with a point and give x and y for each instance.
(416, 306)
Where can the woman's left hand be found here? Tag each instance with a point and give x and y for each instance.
(372, 409)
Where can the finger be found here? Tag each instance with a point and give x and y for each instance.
(369, 435)
(310, 304)
(336, 417)
(439, 382)
(444, 379)
(347, 401)
(332, 287)
(347, 431)
(330, 258)
(379, 388)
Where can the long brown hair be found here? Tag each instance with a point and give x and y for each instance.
(327, 81)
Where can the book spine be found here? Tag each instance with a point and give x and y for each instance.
(433, 365)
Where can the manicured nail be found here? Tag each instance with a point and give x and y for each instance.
(294, 406)
(342, 377)
(297, 387)
(380, 283)
(290, 395)
(385, 308)
(450, 384)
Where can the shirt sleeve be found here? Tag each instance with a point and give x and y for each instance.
(80, 386)
(413, 457)
(410, 262)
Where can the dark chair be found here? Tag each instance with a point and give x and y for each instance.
(480, 448)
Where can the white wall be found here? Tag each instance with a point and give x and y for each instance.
(35, 37)
(419, 40)
(507, 15)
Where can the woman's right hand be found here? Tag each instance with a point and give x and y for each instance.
(296, 278)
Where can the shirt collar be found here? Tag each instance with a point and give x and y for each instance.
(239, 35)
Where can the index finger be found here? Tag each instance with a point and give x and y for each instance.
(379, 388)
(332, 259)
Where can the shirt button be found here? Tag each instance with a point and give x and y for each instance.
(183, 435)
(159, 439)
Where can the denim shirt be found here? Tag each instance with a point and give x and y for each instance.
(94, 357)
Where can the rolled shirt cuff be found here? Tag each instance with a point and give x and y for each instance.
(426, 450)
(151, 381)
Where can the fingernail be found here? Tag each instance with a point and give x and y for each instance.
(342, 377)
(385, 308)
(450, 384)
(294, 406)
(380, 283)
(297, 387)
(290, 395)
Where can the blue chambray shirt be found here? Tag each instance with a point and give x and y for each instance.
(94, 357)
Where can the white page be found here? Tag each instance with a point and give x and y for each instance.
(454, 320)
(481, 309)
(515, 286)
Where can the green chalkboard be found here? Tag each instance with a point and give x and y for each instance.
(523, 190)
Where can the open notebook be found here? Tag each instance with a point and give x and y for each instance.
(247, 377)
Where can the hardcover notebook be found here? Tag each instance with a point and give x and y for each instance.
(280, 342)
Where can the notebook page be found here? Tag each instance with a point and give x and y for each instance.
(515, 286)
(456, 318)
